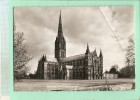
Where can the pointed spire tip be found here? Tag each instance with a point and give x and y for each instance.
(101, 55)
(87, 51)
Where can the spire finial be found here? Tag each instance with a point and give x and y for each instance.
(95, 52)
(60, 16)
(87, 46)
(101, 55)
(87, 51)
(60, 30)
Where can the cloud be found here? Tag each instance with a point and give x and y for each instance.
(81, 25)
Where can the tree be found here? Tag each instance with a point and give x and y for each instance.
(114, 69)
(21, 56)
(130, 54)
(127, 72)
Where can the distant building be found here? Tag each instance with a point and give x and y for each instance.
(82, 66)
(110, 75)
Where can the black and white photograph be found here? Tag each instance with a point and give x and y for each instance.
(73, 48)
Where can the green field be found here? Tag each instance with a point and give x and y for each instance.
(60, 85)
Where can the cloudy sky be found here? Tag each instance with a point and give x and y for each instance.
(81, 25)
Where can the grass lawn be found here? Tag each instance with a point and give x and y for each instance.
(59, 85)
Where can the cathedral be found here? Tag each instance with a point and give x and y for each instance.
(83, 66)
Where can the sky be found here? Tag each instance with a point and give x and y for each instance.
(97, 26)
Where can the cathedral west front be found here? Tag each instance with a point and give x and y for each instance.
(83, 66)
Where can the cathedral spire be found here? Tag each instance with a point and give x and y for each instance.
(87, 51)
(60, 30)
(60, 43)
(101, 55)
(95, 52)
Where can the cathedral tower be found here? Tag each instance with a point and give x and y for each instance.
(60, 43)
(101, 64)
